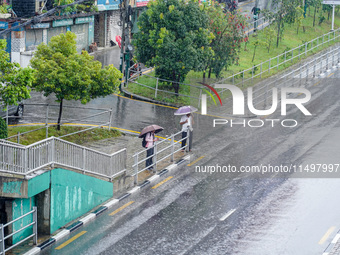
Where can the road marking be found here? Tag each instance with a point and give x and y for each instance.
(162, 182)
(336, 238)
(192, 163)
(328, 233)
(70, 240)
(228, 214)
(121, 208)
(330, 75)
(246, 3)
(167, 106)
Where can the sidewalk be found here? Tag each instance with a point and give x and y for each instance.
(133, 144)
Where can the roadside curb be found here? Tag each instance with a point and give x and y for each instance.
(92, 215)
(138, 97)
(333, 246)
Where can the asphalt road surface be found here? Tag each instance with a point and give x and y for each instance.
(237, 212)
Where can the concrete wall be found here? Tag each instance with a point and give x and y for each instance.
(74, 194)
(21, 206)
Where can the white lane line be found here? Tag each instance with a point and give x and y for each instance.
(336, 238)
(325, 253)
(228, 214)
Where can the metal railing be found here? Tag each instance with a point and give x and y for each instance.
(163, 150)
(319, 65)
(34, 225)
(26, 159)
(50, 111)
(246, 77)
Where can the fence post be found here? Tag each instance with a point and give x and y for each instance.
(53, 152)
(233, 78)
(242, 77)
(110, 118)
(84, 156)
(7, 115)
(292, 56)
(155, 156)
(188, 141)
(199, 99)
(2, 239)
(136, 169)
(269, 65)
(26, 160)
(285, 56)
(156, 88)
(307, 71)
(46, 121)
(172, 147)
(35, 226)
(18, 138)
(306, 49)
(252, 74)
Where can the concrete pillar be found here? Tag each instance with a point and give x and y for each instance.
(43, 202)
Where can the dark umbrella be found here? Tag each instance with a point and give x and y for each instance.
(150, 128)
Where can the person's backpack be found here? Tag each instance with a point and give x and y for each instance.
(144, 142)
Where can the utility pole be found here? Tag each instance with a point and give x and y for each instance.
(125, 10)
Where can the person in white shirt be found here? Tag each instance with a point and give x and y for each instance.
(187, 121)
(150, 139)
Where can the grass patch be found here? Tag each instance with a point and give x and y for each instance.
(291, 39)
(80, 138)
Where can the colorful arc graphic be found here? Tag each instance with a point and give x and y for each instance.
(213, 90)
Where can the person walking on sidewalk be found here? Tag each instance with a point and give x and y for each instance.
(187, 121)
(256, 13)
(150, 139)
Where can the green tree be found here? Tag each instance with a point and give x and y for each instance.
(228, 31)
(173, 38)
(69, 75)
(15, 82)
(3, 129)
(269, 36)
(284, 11)
(316, 4)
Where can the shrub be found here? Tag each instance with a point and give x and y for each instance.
(3, 129)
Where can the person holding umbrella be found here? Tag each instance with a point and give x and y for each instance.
(187, 122)
(148, 135)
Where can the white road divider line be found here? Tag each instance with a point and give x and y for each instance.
(336, 238)
(228, 214)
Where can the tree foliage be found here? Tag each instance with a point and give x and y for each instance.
(227, 29)
(15, 82)
(69, 75)
(284, 11)
(173, 38)
(3, 129)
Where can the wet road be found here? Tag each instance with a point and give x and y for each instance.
(232, 213)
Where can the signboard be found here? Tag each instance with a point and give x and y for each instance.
(17, 29)
(41, 25)
(335, 2)
(84, 20)
(105, 5)
(62, 22)
(141, 3)
(3, 25)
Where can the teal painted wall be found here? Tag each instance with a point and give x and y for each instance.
(12, 187)
(73, 194)
(20, 206)
(38, 184)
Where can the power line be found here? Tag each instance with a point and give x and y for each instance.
(38, 19)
